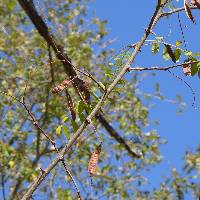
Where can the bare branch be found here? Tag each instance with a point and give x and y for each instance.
(72, 178)
(162, 68)
(117, 137)
(177, 10)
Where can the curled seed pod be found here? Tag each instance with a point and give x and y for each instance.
(170, 52)
(187, 70)
(59, 88)
(66, 82)
(85, 89)
(188, 11)
(92, 165)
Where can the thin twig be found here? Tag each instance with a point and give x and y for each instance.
(181, 28)
(72, 178)
(165, 14)
(192, 91)
(51, 64)
(163, 42)
(35, 123)
(162, 68)
(3, 186)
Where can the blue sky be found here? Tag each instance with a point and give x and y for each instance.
(127, 20)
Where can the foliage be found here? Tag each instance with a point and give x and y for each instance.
(28, 71)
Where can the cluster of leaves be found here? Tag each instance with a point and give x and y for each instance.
(175, 53)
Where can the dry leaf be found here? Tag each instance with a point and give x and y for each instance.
(188, 11)
(170, 52)
(187, 70)
(84, 88)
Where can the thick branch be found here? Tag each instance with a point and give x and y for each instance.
(69, 68)
(76, 135)
(115, 135)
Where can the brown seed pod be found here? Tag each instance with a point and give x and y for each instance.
(170, 52)
(85, 89)
(92, 165)
(187, 70)
(188, 11)
(70, 105)
(59, 88)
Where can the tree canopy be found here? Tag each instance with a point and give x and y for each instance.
(74, 123)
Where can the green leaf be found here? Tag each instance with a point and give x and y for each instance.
(177, 53)
(194, 69)
(81, 107)
(157, 87)
(199, 73)
(188, 53)
(95, 96)
(74, 125)
(111, 64)
(66, 131)
(64, 119)
(11, 4)
(82, 117)
(165, 54)
(109, 76)
(58, 130)
(118, 61)
(159, 38)
(178, 43)
(155, 48)
(196, 54)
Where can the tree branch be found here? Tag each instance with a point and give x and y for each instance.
(177, 10)
(94, 112)
(69, 68)
(162, 68)
(117, 137)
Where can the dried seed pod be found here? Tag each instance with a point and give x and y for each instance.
(85, 89)
(59, 88)
(170, 52)
(188, 11)
(187, 70)
(70, 105)
(92, 165)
